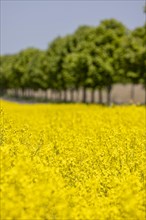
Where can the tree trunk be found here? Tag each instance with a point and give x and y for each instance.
(77, 94)
(93, 95)
(29, 93)
(60, 96)
(23, 92)
(50, 94)
(32, 93)
(100, 96)
(16, 93)
(46, 94)
(84, 95)
(72, 95)
(55, 95)
(109, 94)
(2, 91)
(145, 95)
(65, 95)
(132, 92)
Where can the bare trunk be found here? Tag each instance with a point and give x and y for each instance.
(32, 93)
(65, 95)
(84, 95)
(60, 95)
(3, 91)
(16, 93)
(29, 93)
(52, 94)
(132, 92)
(46, 94)
(77, 95)
(93, 95)
(55, 93)
(145, 94)
(100, 96)
(109, 94)
(23, 92)
(72, 95)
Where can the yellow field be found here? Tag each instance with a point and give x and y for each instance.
(72, 161)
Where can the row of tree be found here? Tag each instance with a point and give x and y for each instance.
(91, 58)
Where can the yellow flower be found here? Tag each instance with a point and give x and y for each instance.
(72, 162)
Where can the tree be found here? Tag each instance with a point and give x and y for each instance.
(108, 41)
(78, 65)
(91, 58)
(38, 72)
(56, 53)
(133, 58)
(19, 69)
(5, 73)
(84, 46)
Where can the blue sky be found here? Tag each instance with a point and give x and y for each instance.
(35, 23)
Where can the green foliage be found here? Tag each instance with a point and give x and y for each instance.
(5, 71)
(92, 57)
(56, 53)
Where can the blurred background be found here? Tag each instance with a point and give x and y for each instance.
(73, 51)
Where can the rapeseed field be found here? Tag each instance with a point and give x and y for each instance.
(72, 162)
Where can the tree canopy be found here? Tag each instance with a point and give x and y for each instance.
(90, 58)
